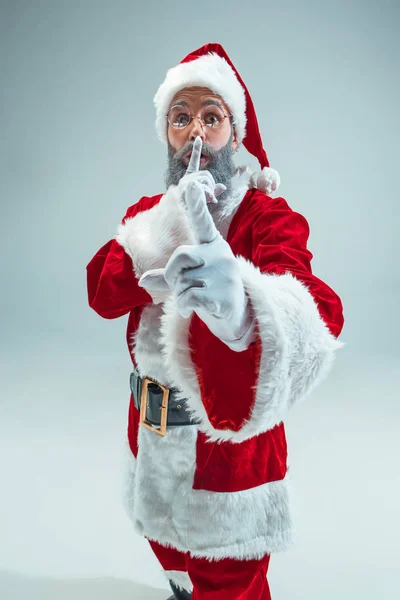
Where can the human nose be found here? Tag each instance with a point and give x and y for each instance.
(197, 128)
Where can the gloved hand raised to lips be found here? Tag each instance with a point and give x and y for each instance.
(205, 278)
(211, 189)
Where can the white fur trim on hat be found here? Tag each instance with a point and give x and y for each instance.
(211, 71)
(267, 180)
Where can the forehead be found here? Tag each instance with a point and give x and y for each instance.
(196, 96)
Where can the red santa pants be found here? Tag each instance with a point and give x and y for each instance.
(226, 579)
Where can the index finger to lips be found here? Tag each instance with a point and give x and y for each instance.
(199, 215)
(194, 163)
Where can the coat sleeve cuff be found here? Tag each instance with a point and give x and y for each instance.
(152, 235)
(298, 348)
(297, 352)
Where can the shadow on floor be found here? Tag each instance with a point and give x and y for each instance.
(15, 586)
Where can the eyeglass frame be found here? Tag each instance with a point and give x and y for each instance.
(230, 116)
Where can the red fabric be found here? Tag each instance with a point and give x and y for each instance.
(274, 237)
(111, 282)
(225, 374)
(252, 140)
(113, 291)
(226, 579)
(278, 237)
(231, 467)
(133, 427)
(216, 364)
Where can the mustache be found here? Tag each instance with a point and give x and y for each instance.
(206, 151)
(220, 164)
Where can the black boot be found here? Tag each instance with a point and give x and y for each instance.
(179, 594)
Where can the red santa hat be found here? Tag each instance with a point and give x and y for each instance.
(210, 66)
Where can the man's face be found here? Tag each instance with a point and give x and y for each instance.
(219, 144)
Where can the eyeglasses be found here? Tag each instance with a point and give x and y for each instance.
(212, 116)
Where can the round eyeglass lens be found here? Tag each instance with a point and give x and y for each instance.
(179, 117)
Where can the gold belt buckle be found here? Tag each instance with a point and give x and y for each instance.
(164, 407)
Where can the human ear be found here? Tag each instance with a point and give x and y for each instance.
(235, 144)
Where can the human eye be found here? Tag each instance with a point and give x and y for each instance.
(179, 117)
(213, 116)
(182, 119)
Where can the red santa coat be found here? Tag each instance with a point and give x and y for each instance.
(220, 488)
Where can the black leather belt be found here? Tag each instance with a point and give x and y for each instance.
(158, 405)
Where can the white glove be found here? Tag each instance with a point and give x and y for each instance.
(205, 278)
(211, 189)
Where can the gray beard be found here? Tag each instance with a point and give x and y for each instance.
(221, 167)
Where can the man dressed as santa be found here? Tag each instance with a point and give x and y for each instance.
(228, 328)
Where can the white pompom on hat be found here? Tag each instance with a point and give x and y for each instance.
(210, 66)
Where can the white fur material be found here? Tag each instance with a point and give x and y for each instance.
(163, 506)
(181, 579)
(267, 180)
(128, 478)
(211, 71)
(149, 239)
(158, 487)
(146, 346)
(297, 351)
(152, 235)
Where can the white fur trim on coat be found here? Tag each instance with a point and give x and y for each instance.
(163, 506)
(297, 351)
(211, 71)
(143, 238)
(151, 236)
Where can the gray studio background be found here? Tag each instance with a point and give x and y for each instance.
(78, 146)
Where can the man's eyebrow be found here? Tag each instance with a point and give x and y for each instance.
(210, 101)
